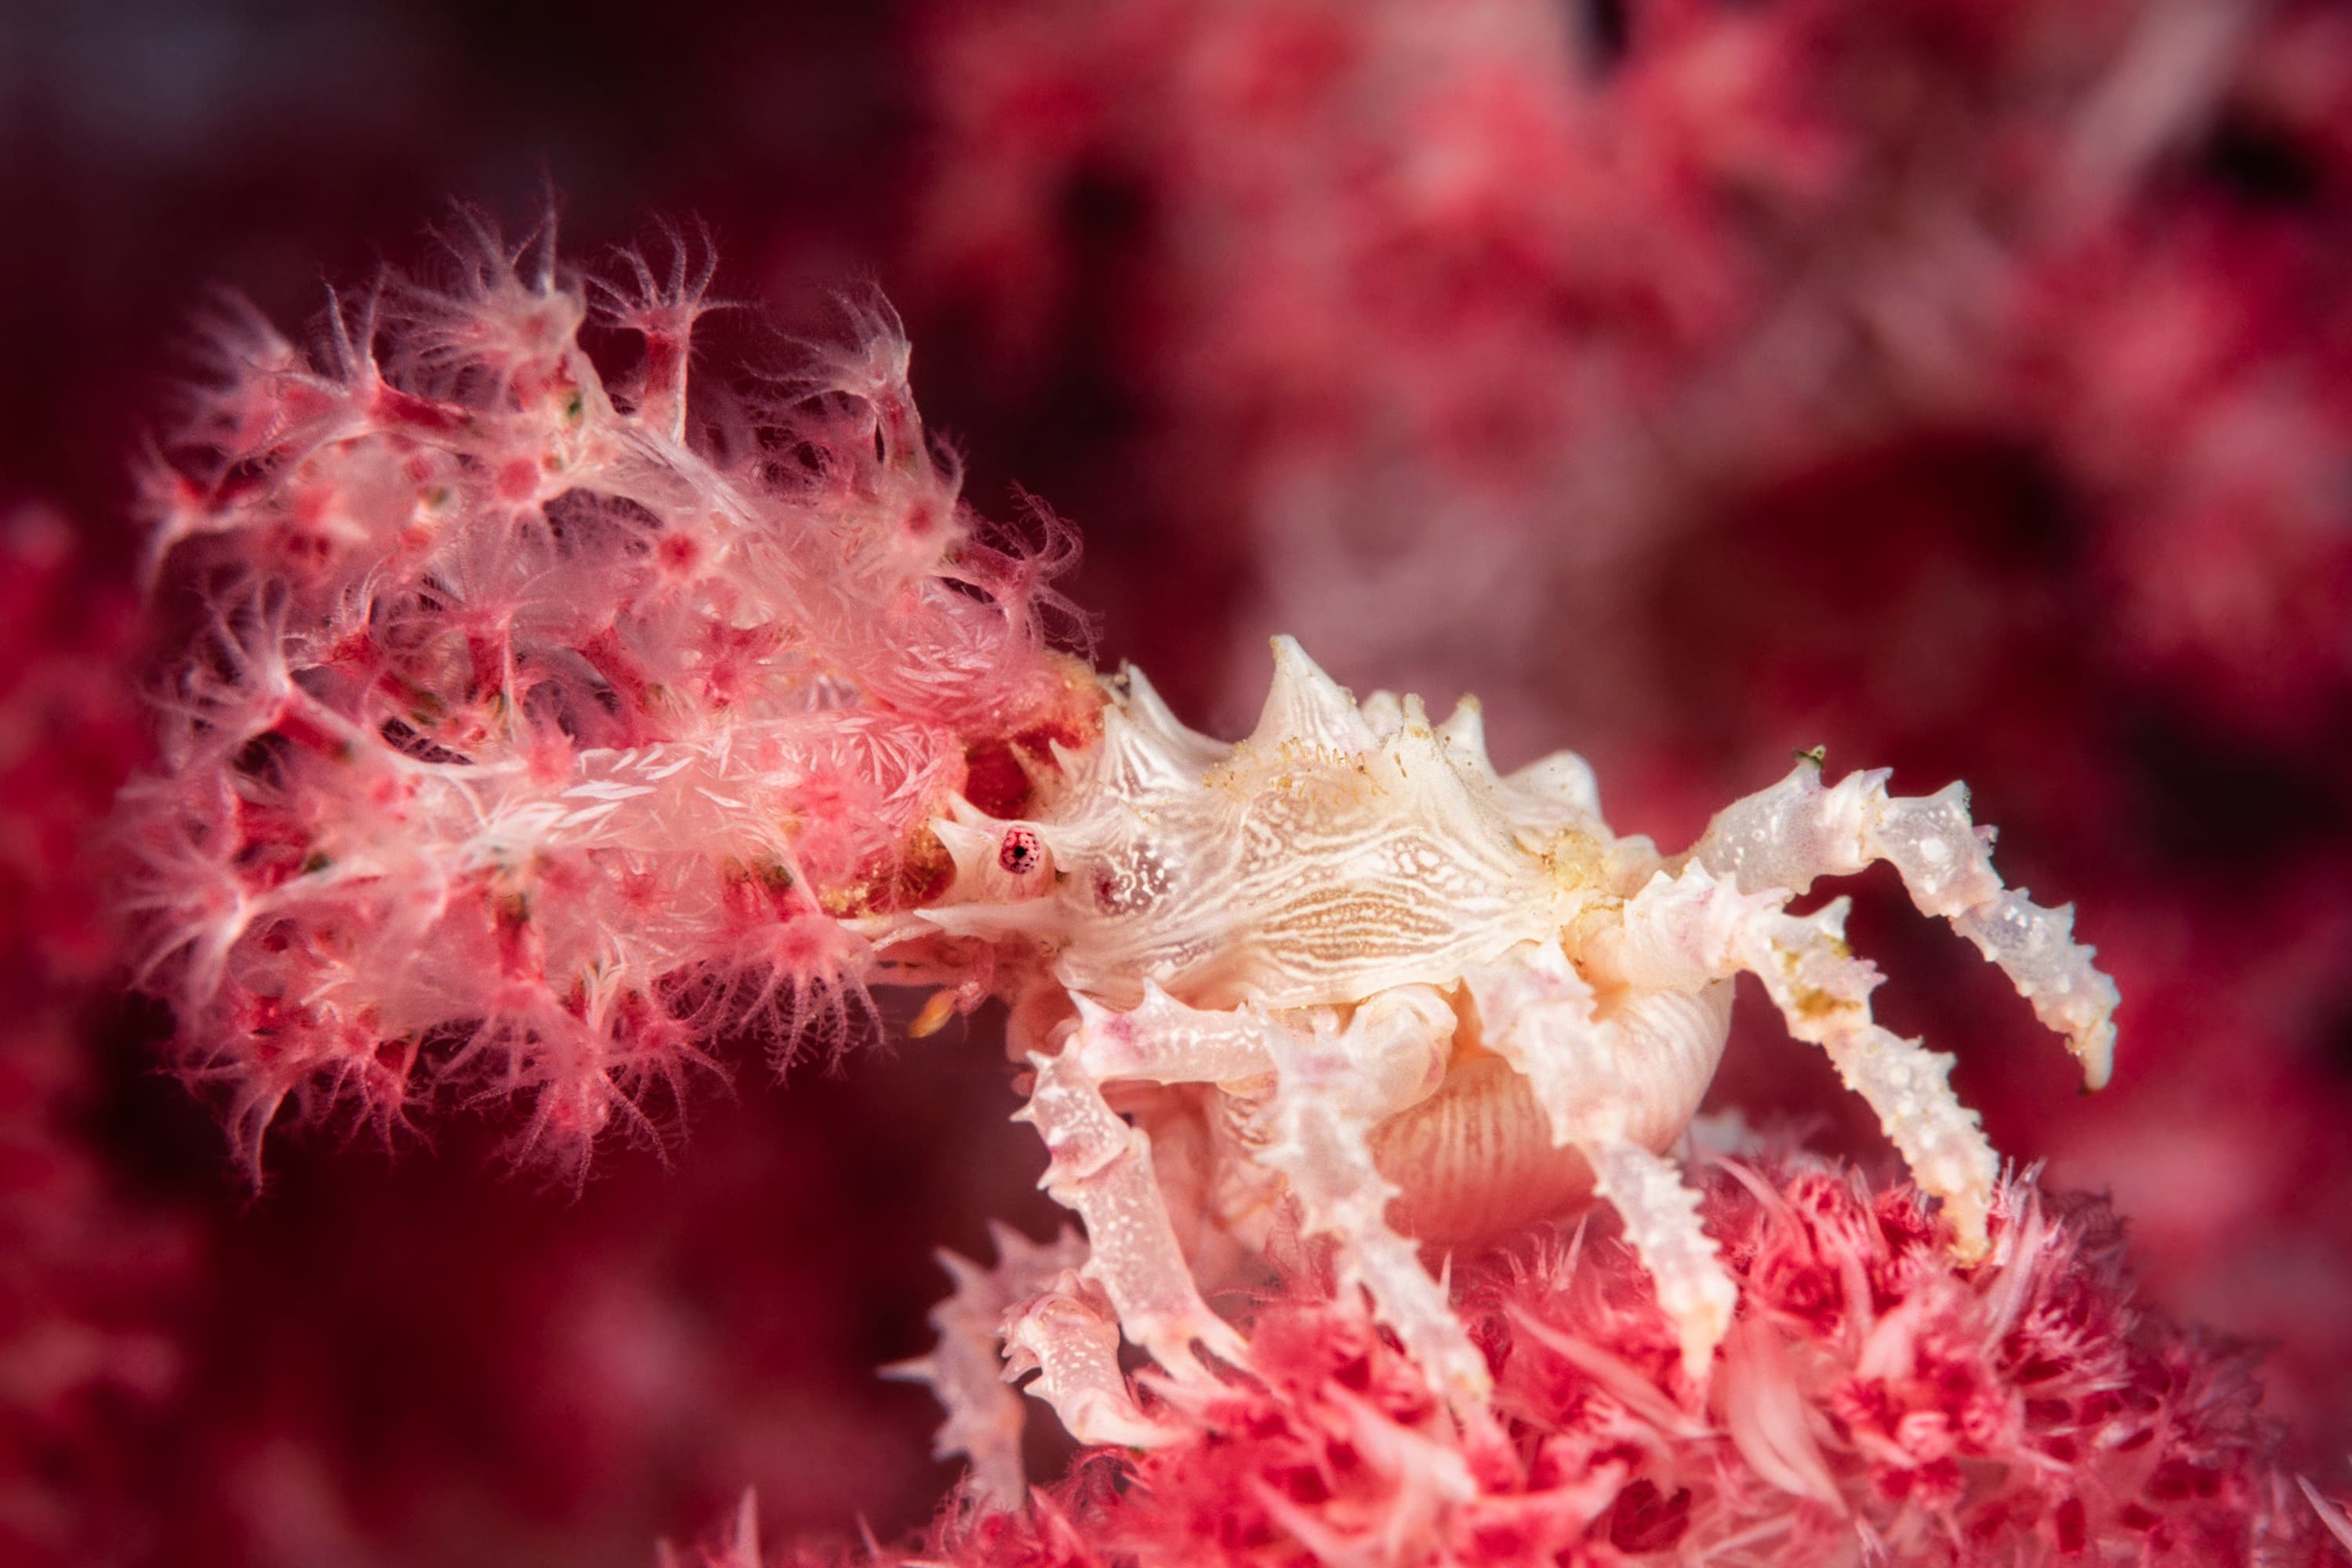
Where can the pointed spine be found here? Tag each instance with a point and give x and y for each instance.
(1306, 707)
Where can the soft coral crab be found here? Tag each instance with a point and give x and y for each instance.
(583, 737)
(1343, 975)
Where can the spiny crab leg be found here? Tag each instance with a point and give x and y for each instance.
(1317, 1090)
(1164, 1041)
(1798, 830)
(1101, 1168)
(1589, 1076)
(1824, 994)
(1683, 928)
(966, 1368)
(1068, 1335)
(1333, 1086)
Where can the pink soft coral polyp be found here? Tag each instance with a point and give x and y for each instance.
(541, 729)
(1876, 1402)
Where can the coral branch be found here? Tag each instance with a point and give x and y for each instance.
(535, 741)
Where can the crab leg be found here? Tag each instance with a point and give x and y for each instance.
(1660, 1215)
(1683, 927)
(1824, 994)
(1796, 831)
(966, 1368)
(1102, 1167)
(1164, 1041)
(1321, 1090)
(1539, 1015)
(1333, 1086)
(1068, 1335)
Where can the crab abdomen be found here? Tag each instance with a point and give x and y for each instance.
(1476, 1159)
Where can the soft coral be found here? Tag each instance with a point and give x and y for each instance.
(1877, 1402)
(535, 736)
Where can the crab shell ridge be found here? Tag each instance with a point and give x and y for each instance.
(1338, 851)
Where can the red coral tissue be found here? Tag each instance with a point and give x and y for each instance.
(1876, 1403)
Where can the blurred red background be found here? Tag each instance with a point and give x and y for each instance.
(1957, 384)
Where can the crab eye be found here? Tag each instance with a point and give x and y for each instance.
(1021, 852)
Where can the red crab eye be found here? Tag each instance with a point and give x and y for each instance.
(1022, 852)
